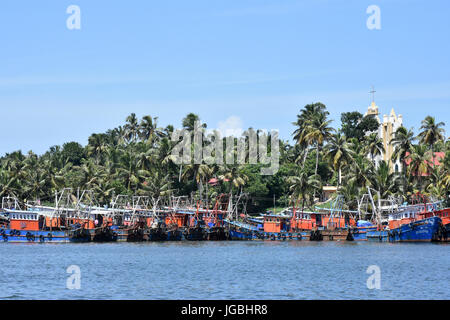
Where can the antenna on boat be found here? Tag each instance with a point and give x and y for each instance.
(336, 208)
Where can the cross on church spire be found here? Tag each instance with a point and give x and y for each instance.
(373, 93)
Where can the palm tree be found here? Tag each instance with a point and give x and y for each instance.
(439, 182)
(350, 193)
(402, 141)
(146, 159)
(419, 163)
(131, 128)
(356, 146)
(199, 173)
(383, 180)
(129, 171)
(148, 129)
(307, 114)
(34, 183)
(233, 174)
(97, 146)
(90, 173)
(318, 131)
(374, 146)
(190, 120)
(431, 133)
(103, 189)
(158, 185)
(338, 153)
(360, 171)
(302, 184)
(7, 183)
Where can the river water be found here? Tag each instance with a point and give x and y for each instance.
(225, 270)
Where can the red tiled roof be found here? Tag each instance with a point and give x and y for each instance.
(215, 181)
(435, 162)
(438, 156)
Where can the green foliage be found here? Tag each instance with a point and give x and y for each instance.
(73, 152)
(355, 125)
(136, 159)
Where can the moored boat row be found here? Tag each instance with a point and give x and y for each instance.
(139, 221)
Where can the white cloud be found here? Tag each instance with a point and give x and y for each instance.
(232, 126)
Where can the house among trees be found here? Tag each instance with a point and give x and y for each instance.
(436, 161)
(328, 192)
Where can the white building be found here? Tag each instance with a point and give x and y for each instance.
(386, 132)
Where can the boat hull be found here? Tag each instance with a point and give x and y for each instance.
(443, 234)
(195, 234)
(377, 236)
(425, 230)
(174, 235)
(272, 236)
(360, 233)
(31, 236)
(217, 234)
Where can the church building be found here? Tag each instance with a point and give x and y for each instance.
(386, 131)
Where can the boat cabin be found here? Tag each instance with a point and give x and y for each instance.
(276, 223)
(214, 218)
(302, 221)
(407, 214)
(24, 220)
(177, 218)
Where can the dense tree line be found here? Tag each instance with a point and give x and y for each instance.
(136, 158)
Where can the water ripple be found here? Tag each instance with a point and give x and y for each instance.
(225, 270)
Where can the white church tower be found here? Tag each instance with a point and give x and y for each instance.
(386, 133)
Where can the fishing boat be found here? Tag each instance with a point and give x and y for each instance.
(419, 230)
(372, 215)
(293, 224)
(215, 229)
(242, 231)
(196, 229)
(416, 222)
(443, 233)
(241, 226)
(278, 227)
(333, 223)
(39, 224)
(33, 226)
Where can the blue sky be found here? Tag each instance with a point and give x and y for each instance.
(235, 63)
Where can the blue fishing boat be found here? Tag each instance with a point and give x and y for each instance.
(33, 226)
(425, 230)
(33, 236)
(420, 230)
(242, 231)
(248, 231)
(377, 235)
(174, 235)
(360, 232)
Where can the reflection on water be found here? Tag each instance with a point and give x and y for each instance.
(225, 270)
